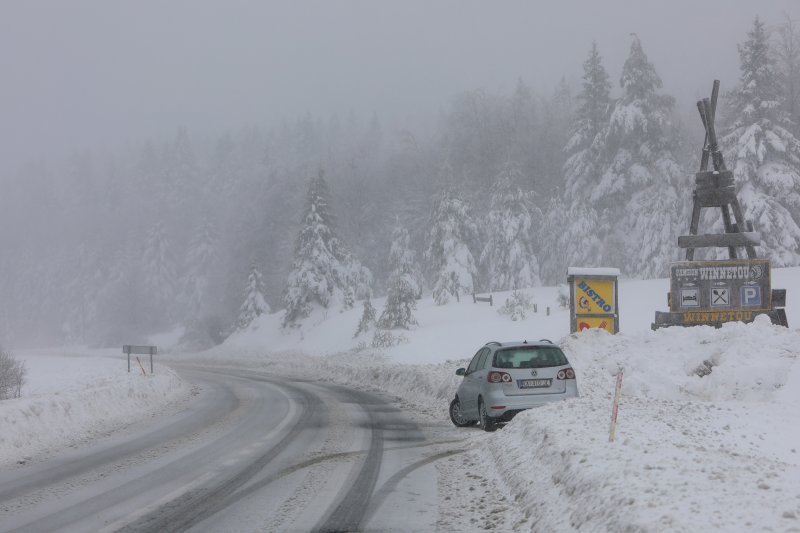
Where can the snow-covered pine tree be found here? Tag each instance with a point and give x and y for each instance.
(583, 164)
(404, 284)
(554, 263)
(324, 272)
(763, 154)
(201, 260)
(553, 133)
(159, 273)
(508, 255)
(576, 234)
(636, 196)
(367, 318)
(450, 261)
(254, 304)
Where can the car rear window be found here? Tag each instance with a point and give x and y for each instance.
(533, 357)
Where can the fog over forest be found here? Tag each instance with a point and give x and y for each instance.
(196, 162)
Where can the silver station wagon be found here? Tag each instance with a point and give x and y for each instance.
(505, 378)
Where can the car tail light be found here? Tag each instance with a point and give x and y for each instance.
(497, 377)
(567, 373)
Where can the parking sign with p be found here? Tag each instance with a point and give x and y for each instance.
(751, 295)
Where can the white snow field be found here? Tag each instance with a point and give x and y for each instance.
(72, 396)
(718, 452)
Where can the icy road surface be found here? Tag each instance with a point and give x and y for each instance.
(251, 452)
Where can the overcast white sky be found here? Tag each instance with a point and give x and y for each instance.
(81, 73)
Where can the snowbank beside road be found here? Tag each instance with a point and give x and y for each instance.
(70, 399)
(715, 452)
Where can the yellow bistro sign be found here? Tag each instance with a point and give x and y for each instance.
(594, 296)
(593, 299)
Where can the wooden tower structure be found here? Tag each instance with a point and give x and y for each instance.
(715, 292)
(716, 189)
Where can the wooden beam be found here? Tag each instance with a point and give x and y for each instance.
(712, 179)
(720, 240)
(716, 197)
(742, 223)
(693, 226)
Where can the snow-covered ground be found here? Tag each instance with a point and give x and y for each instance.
(72, 396)
(715, 452)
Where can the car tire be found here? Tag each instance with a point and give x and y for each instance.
(487, 422)
(457, 416)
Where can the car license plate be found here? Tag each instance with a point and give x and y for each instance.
(533, 383)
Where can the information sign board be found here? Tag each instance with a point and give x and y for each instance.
(720, 286)
(593, 299)
(594, 296)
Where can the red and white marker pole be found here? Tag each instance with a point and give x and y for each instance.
(612, 432)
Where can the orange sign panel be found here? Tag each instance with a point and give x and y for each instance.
(602, 322)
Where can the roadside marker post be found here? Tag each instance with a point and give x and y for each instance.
(142, 366)
(613, 431)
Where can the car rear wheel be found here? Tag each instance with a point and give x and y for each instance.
(487, 422)
(457, 415)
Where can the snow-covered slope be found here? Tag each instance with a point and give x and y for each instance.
(72, 396)
(458, 329)
(718, 451)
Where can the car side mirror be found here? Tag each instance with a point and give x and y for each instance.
(461, 372)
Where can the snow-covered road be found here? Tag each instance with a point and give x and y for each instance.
(252, 451)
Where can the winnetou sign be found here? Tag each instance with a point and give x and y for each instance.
(714, 292)
(720, 286)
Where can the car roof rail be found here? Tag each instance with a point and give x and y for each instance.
(546, 340)
(494, 342)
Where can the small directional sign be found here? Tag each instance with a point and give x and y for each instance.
(145, 350)
(720, 297)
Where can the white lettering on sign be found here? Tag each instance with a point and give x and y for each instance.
(724, 272)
